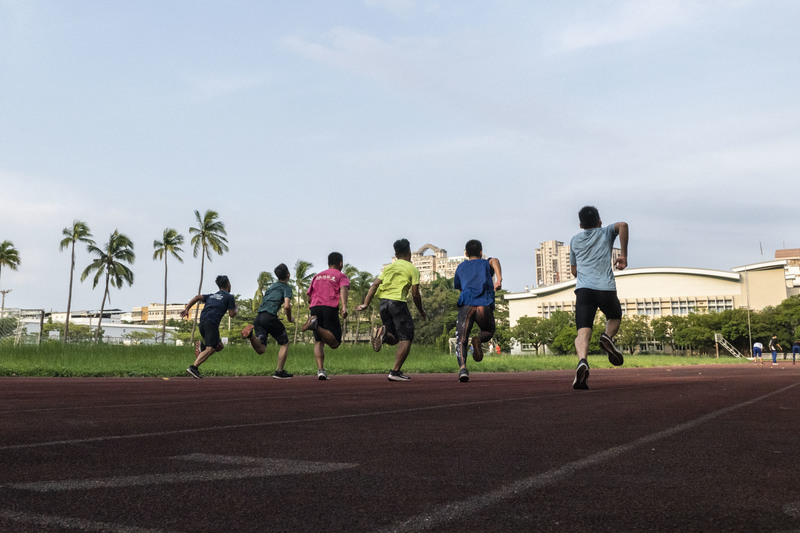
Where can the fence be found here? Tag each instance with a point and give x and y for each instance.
(21, 326)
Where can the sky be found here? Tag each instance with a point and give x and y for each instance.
(314, 126)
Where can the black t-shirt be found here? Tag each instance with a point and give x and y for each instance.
(216, 305)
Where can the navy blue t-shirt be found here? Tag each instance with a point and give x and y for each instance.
(216, 305)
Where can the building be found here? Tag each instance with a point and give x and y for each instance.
(434, 266)
(657, 292)
(154, 313)
(792, 258)
(552, 263)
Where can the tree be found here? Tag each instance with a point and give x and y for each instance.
(528, 330)
(302, 279)
(79, 232)
(634, 330)
(208, 236)
(9, 257)
(265, 279)
(170, 244)
(359, 286)
(110, 261)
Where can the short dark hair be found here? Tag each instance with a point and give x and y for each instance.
(282, 271)
(402, 247)
(222, 281)
(589, 217)
(334, 258)
(473, 248)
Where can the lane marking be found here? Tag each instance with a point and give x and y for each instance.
(447, 513)
(252, 467)
(76, 524)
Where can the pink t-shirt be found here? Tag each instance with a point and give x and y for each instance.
(326, 287)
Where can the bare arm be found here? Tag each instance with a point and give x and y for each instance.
(417, 297)
(622, 231)
(185, 312)
(287, 308)
(370, 294)
(498, 273)
(574, 270)
(344, 291)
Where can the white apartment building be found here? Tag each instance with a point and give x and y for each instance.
(434, 266)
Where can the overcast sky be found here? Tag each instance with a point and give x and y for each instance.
(314, 126)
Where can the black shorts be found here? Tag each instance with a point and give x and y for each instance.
(210, 333)
(269, 324)
(397, 319)
(327, 318)
(588, 301)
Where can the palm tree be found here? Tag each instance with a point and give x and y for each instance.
(208, 236)
(265, 279)
(169, 245)
(79, 232)
(351, 272)
(302, 278)
(110, 261)
(9, 257)
(359, 286)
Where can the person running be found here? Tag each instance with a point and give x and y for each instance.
(590, 262)
(392, 287)
(774, 346)
(278, 295)
(477, 279)
(214, 308)
(795, 351)
(757, 349)
(327, 294)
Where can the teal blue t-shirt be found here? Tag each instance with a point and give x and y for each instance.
(273, 297)
(590, 251)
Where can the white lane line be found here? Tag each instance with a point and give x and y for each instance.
(90, 440)
(77, 524)
(253, 467)
(450, 512)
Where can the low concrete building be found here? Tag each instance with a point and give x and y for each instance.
(664, 291)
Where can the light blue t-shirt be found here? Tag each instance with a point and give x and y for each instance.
(590, 251)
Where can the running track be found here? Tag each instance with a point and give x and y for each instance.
(710, 448)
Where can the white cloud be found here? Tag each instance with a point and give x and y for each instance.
(209, 87)
(632, 21)
(397, 7)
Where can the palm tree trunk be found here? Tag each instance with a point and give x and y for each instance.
(164, 323)
(199, 291)
(102, 308)
(69, 297)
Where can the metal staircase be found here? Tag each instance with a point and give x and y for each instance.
(728, 346)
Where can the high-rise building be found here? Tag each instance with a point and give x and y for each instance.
(552, 263)
(434, 266)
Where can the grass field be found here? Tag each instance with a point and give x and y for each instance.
(56, 360)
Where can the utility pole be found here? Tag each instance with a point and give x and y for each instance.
(3, 307)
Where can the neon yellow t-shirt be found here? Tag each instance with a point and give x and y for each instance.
(396, 279)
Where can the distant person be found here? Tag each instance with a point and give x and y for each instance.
(795, 351)
(327, 300)
(590, 262)
(774, 346)
(278, 295)
(477, 279)
(757, 349)
(392, 287)
(215, 306)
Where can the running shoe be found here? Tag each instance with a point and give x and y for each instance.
(581, 375)
(377, 339)
(194, 372)
(614, 355)
(247, 331)
(282, 374)
(322, 375)
(477, 349)
(311, 323)
(396, 375)
(463, 375)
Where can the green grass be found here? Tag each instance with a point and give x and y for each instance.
(89, 360)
